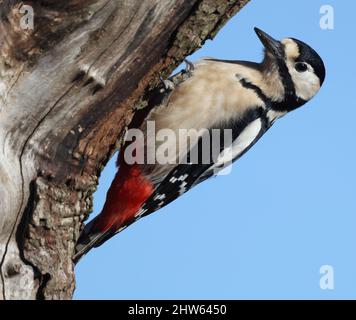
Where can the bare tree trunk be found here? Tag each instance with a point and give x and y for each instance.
(68, 89)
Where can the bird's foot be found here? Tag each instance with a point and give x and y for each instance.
(168, 84)
(189, 67)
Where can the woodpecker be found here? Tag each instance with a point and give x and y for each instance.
(243, 97)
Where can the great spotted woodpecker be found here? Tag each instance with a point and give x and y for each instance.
(244, 97)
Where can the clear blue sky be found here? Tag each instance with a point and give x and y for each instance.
(287, 208)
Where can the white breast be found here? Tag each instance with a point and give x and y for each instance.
(212, 96)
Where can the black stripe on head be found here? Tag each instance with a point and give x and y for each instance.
(286, 78)
(290, 101)
(309, 55)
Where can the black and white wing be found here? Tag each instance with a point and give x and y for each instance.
(245, 131)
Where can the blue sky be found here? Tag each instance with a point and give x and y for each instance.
(286, 209)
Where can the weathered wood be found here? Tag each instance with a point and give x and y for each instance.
(68, 89)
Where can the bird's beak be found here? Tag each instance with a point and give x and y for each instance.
(272, 45)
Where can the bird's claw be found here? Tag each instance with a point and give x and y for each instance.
(189, 67)
(168, 84)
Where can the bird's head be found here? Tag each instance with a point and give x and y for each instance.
(300, 68)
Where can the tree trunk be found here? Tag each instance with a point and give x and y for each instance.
(68, 89)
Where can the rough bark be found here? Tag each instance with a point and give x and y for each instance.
(68, 90)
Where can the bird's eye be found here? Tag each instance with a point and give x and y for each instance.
(301, 67)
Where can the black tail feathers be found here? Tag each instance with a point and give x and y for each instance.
(89, 239)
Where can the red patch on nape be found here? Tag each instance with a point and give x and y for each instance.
(127, 193)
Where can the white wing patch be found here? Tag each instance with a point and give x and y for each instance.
(179, 180)
(243, 141)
